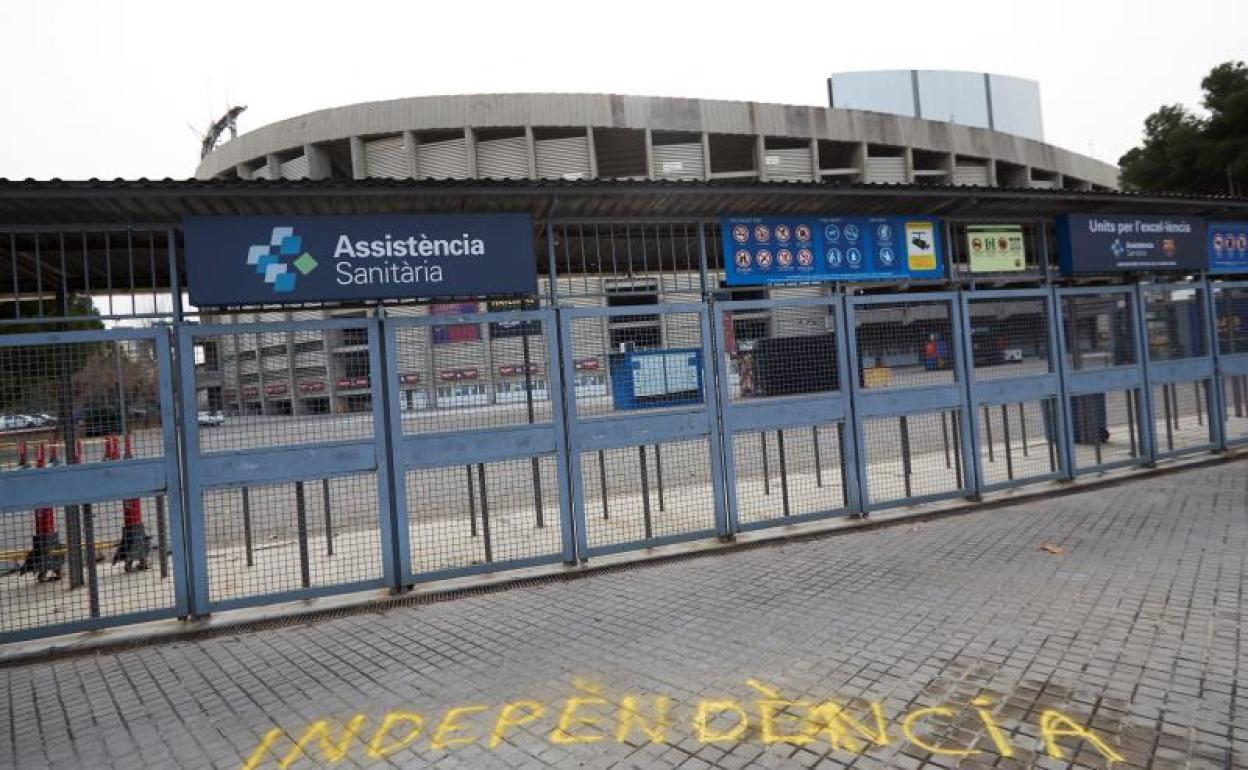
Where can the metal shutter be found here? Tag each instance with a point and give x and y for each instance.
(970, 174)
(503, 158)
(385, 158)
(443, 160)
(296, 168)
(887, 170)
(791, 164)
(678, 161)
(566, 158)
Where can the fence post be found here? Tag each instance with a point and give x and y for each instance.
(711, 388)
(859, 499)
(960, 322)
(388, 429)
(194, 544)
(1216, 402)
(1061, 423)
(723, 401)
(1145, 401)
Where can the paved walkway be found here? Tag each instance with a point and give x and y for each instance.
(1057, 633)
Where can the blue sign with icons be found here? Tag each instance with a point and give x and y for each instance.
(766, 250)
(1228, 247)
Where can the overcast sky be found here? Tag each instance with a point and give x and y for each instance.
(112, 88)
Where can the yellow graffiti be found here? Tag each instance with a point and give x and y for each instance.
(507, 717)
(707, 709)
(907, 728)
(591, 717)
(1055, 724)
(319, 731)
(831, 719)
(415, 723)
(450, 724)
(630, 716)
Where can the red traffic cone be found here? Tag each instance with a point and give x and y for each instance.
(44, 559)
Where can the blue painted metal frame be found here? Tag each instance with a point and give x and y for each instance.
(1130, 376)
(1183, 371)
(270, 465)
(93, 482)
(901, 401)
(786, 411)
(633, 429)
(1033, 387)
(483, 445)
(1225, 364)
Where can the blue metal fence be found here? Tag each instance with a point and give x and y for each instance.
(598, 430)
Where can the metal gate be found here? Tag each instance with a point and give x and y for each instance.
(1016, 410)
(1230, 313)
(1179, 369)
(782, 374)
(476, 415)
(908, 368)
(90, 512)
(644, 441)
(1106, 407)
(288, 492)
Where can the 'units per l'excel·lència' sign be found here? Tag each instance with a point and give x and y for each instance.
(256, 260)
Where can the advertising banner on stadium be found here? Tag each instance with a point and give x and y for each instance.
(1098, 243)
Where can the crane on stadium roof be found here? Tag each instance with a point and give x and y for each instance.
(228, 121)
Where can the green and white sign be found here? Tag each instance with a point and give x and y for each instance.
(996, 248)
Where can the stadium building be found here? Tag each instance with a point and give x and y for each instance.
(929, 128)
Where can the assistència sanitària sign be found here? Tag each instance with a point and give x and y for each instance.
(250, 260)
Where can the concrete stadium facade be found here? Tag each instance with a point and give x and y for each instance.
(586, 136)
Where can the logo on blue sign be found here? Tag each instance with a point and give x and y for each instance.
(1117, 248)
(270, 259)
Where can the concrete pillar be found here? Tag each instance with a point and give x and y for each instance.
(814, 159)
(760, 157)
(992, 172)
(706, 155)
(243, 170)
(359, 162)
(951, 165)
(275, 166)
(860, 160)
(531, 145)
(908, 154)
(319, 166)
(470, 150)
(410, 144)
(593, 152)
(649, 155)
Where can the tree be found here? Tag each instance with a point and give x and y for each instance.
(1186, 152)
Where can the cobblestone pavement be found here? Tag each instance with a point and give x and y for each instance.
(1054, 633)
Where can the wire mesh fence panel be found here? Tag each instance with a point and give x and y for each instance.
(647, 492)
(85, 276)
(905, 344)
(780, 351)
(283, 387)
(647, 361)
(473, 376)
(1235, 403)
(74, 563)
(291, 536)
(1181, 416)
(602, 264)
(484, 513)
(911, 456)
(1018, 441)
(1098, 330)
(1106, 428)
(87, 401)
(1174, 319)
(789, 472)
(1231, 307)
(1009, 338)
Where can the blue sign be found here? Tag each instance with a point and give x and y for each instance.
(765, 250)
(1228, 247)
(256, 260)
(1098, 243)
(650, 379)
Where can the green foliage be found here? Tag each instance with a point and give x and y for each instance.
(1186, 152)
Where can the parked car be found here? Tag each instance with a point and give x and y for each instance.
(211, 419)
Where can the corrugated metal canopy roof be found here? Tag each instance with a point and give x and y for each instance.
(33, 202)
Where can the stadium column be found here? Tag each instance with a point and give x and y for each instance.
(706, 155)
(760, 157)
(470, 151)
(530, 150)
(410, 144)
(908, 154)
(319, 166)
(593, 153)
(359, 163)
(649, 154)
